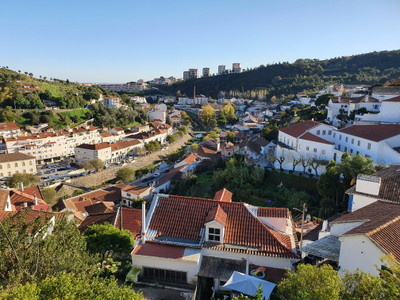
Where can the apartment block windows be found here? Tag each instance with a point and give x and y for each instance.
(16, 164)
(352, 141)
(214, 234)
(369, 146)
(358, 143)
(340, 137)
(347, 139)
(338, 147)
(334, 135)
(8, 166)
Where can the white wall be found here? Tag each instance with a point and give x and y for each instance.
(169, 264)
(337, 229)
(358, 251)
(361, 201)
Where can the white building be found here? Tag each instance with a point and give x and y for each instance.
(236, 68)
(10, 129)
(206, 72)
(375, 141)
(158, 115)
(221, 69)
(212, 239)
(388, 112)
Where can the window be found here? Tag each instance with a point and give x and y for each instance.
(318, 132)
(31, 170)
(347, 139)
(340, 137)
(323, 132)
(24, 171)
(307, 148)
(300, 147)
(2, 175)
(358, 143)
(214, 234)
(1, 167)
(162, 274)
(128, 195)
(330, 132)
(352, 141)
(357, 153)
(9, 173)
(323, 152)
(345, 149)
(369, 146)
(315, 150)
(351, 151)
(8, 166)
(16, 165)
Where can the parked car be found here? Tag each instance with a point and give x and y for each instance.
(39, 173)
(83, 174)
(156, 175)
(47, 172)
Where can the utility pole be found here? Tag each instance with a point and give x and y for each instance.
(302, 225)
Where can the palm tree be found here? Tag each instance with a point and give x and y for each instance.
(26, 73)
(45, 78)
(19, 71)
(30, 75)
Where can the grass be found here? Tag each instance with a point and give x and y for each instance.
(132, 124)
(204, 178)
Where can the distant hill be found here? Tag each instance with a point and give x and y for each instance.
(284, 78)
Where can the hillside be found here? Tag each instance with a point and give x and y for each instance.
(63, 93)
(303, 75)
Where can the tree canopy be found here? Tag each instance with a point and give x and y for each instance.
(125, 174)
(26, 178)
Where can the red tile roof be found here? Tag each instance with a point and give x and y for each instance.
(272, 212)
(313, 138)
(97, 219)
(94, 147)
(298, 129)
(223, 195)
(375, 133)
(191, 158)
(8, 126)
(395, 99)
(187, 216)
(3, 199)
(217, 214)
(135, 189)
(131, 220)
(158, 250)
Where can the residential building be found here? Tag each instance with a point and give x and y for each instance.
(27, 197)
(236, 68)
(80, 135)
(86, 153)
(158, 115)
(140, 128)
(174, 118)
(180, 247)
(376, 141)
(193, 74)
(46, 147)
(17, 163)
(221, 70)
(135, 192)
(26, 87)
(383, 185)
(186, 75)
(158, 135)
(206, 72)
(191, 160)
(227, 151)
(10, 129)
(256, 148)
(107, 137)
(384, 93)
(120, 150)
(387, 108)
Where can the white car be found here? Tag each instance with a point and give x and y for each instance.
(156, 175)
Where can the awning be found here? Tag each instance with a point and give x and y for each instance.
(327, 247)
(248, 285)
(221, 268)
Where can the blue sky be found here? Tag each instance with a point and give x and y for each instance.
(120, 41)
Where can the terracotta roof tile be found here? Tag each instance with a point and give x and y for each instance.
(373, 133)
(15, 157)
(223, 195)
(135, 189)
(100, 207)
(94, 147)
(97, 219)
(217, 214)
(310, 137)
(131, 220)
(191, 158)
(272, 212)
(298, 129)
(388, 238)
(186, 217)
(8, 126)
(3, 199)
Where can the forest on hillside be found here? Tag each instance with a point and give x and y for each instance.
(283, 78)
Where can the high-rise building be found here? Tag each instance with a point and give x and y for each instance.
(206, 72)
(193, 73)
(236, 68)
(186, 75)
(221, 69)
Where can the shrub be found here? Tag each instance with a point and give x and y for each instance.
(290, 171)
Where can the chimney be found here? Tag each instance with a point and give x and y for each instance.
(338, 100)
(144, 222)
(21, 186)
(35, 202)
(25, 204)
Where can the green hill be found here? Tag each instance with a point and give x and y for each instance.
(286, 78)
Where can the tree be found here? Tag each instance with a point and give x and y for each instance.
(70, 286)
(230, 137)
(229, 110)
(304, 161)
(272, 159)
(153, 145)
(97, 163)
(102, 238)
(194, 147)
(258, 295)
(171, 139)
(125, 174)
(353, 165)
(281, 157)
(87, 166)
(26, 178)
(317, 161)
(329, 182)
(324, 99)
(325, 281)
(207, 116)
(183, 129)
(7, 115)
(64, 243)
(140, 150)
(49, 195)
(295, 157)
